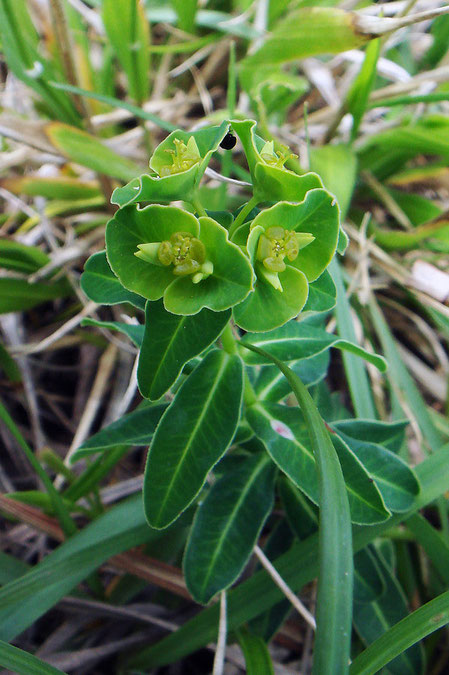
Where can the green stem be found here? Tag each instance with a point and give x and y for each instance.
(229, 344)
(198, 207)
(242, 215)
(228, 340)
(64, 517)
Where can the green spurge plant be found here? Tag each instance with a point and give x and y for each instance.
(234, 322)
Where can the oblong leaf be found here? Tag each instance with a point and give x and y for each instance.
(301, 340)
(135, 428)
(368, 580)
(394, 478)
(284, 434)
(192, 435)
(258, 593)
(271, 385)
(389, 434)
(170, 341)
(227, 526)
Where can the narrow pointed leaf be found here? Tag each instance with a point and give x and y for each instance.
(131, 330)
(192, 436)
(227, 526)
(24, 600)
(128, 32)
(17, 295)
(135, 428)
(300, 340)
(413, 628)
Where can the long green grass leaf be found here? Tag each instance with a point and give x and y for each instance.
(335, 577)
(19, 661)
(117, 103)
(24, 600)
(415, 627)
(361, 396)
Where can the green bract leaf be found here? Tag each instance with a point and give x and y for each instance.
(227, 526)
(170, 341)
(163, 251)
(179, 163)
(101, 285)
(192, 436)
(271, 180)
(290, 245)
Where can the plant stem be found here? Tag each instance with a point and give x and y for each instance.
(229, 344)
(228, 340)
(198, 207)
(242, 215)
(59, 506)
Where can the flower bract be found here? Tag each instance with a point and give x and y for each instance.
(290, 246)
(272, 181)
(178, 164)
(165, 252)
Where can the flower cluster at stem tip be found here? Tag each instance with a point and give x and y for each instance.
(184, 156)
(261, 267)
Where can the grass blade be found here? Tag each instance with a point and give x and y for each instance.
(334, 597)
(402, 635)
(19, 661)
